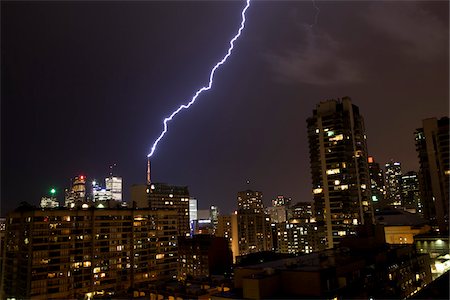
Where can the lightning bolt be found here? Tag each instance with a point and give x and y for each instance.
(205, 88)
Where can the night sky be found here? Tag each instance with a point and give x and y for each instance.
(87, 84)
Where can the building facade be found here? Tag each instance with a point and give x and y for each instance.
(339, 168)
(253, 224)
(164, 196)
(411, 194)
(377, 186)
(393, 172)
(81, 253)
(432, 145)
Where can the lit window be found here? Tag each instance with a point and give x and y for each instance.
(317, 191)
(333, 171)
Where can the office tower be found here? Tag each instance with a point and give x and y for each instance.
(202, 256)
(393, 176)
(164, 196)
(411, 193)
(279, 210)
(227, 227)
(76, 195)
(49, 202)
(254, 233)
(214, 212)
(98, 193)
(114, 187)
(281, 200)
(192, 209)
(377, 186)
(339, 168)
(68, 253)
(432, 145)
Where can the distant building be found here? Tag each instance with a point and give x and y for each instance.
(279, 211)
(393, 171)
(432, 145)
(49, 202)
(411, 193)
(299, 233)
(75, 196)
(83, 253)
(339, 168)
(114, 187)
(227, 227)
(203, 256)
(377, 186)
(164, 196)
(253, 224)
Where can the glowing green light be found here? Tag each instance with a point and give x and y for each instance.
(52, 191)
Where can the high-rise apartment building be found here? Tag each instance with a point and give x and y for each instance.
(82, 253)
(377, 186)
(300, 233)
(227, 227)
(164, 196)
(411, 193)
(393, 176)
(432, 145)
(254, 233)
(339, 168)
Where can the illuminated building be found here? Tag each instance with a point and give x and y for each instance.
(377, 186)
(192, 214)
(114, 187)
(393, 177)
(278, 211)
(164, 196)
(300, 233)
(50, 202)
(203, 255)
(339, 168)
(411, 193)
(432, 145)
(67, 253)
(438, 247)
(358, 271)
(76, 195)
(227, 228)
(253, 224)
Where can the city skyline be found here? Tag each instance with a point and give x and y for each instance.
(81, 93)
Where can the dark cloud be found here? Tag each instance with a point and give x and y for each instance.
(415, 30)
(318, 59)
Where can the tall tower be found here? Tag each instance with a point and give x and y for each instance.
(432, 145)
(393, 178)
(339, 168)
(377, 186)
(253, 225)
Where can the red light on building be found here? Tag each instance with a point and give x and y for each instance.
(82, 177)
(370, 159)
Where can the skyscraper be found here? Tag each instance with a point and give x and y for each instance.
(164, 196)
(254, 234)
(432, 145)
(377, 186)
(114, 187)
(76, 195)
(339, 168)
(410, 193)
(393, 176)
